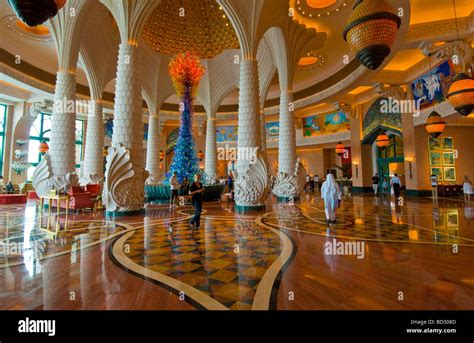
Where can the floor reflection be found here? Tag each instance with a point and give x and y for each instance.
(242, 261)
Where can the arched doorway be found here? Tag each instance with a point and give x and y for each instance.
(389, 160)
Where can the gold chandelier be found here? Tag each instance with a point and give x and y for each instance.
(198, 27)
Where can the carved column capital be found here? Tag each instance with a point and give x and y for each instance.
(40, 106)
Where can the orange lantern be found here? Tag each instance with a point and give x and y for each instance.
(382, 141)
(162, 155)
(461, 94)
(435, 124)
(340, 148)
(43, 147)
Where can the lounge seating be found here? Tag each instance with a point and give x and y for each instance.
(8, 199)
(94, 189)
(79, 199)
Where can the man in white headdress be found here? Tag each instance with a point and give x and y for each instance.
(330, 195)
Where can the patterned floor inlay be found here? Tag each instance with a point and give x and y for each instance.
(373, 227)
(27, 244)
(220, 266)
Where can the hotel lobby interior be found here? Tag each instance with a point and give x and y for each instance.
(279, 106)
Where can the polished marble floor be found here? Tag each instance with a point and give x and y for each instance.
(415, 256)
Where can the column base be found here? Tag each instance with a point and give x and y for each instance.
(417, 193)
(243, 208)
(287, 199)
(124, 213)
(358, 190)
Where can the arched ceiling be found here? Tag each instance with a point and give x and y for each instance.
(315, 71)
(200, 27)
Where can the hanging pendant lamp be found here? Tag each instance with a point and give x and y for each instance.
(382, 141)
(340, 148)
(36, 12)
(371, 31)
(435, 124)
(461, 94)
(461, 91)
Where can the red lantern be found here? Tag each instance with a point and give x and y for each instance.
(162, 155)
(340, 148)
(43, 147)
(382, 141)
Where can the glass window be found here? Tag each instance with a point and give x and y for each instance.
(41, 131)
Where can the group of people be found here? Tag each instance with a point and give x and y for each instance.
(395, 183)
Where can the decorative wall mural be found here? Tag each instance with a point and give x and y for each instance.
(272, 131)
(375, 119)
(227, 134)
(109, 128)
(324, 124)
(432, 88)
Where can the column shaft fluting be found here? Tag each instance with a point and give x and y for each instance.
(287, 138)
(93, 167)
(62, 145)
(153, 149)
(248, 105)
(210, 160)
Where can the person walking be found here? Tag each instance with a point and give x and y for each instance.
(385, 186)
(230, 183)
(396, 184)
(307, 186)
(316, 182)
(330, 195)
(196, 193)
(174, 185)
(467, 188)
(375, 183)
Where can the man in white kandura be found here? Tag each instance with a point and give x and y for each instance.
(330, 195)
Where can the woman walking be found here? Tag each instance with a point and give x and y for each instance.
(196, 193)
(467, 188)
(330, 195)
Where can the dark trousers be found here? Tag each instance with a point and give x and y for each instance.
(396, 190)
(196, 219)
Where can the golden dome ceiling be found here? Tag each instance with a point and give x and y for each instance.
(200, 27)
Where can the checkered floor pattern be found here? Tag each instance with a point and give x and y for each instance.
(225, 259)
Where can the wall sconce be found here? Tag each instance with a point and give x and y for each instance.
(356, 164)
(409, 159)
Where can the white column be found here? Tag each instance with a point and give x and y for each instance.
(248, 104)
(291, 175)
(263, 132)
(210, 158)
(125, 175)
(287, 138)
(62, 145)
(252, 175)
(153, 149)
(93, 167)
